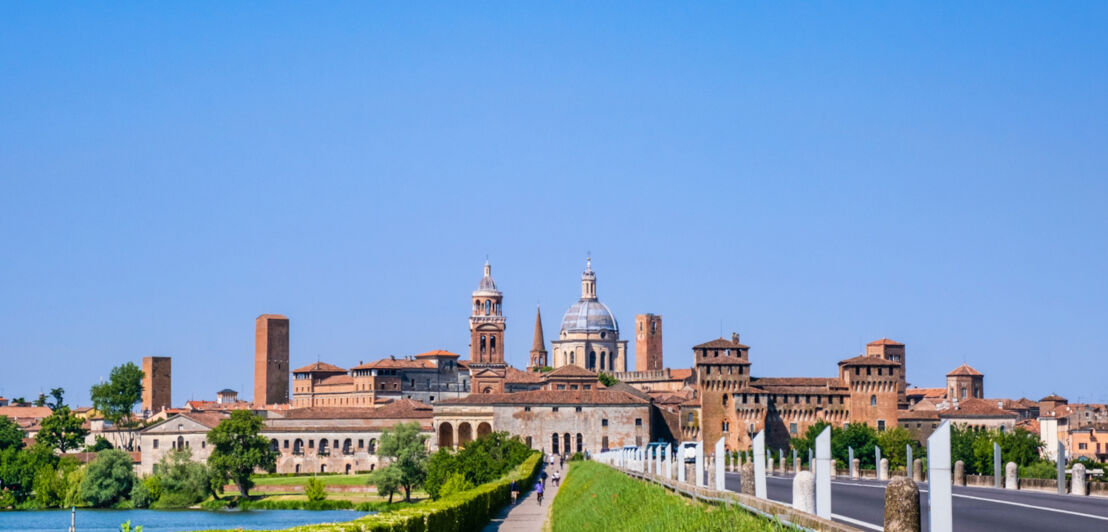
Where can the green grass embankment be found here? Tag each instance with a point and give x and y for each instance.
(596, 497)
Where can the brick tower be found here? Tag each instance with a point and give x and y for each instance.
(723, 370)
(157, 384)
(648, 342)
(271, 360)
(893, 351)
(486, 337)
(538, 345)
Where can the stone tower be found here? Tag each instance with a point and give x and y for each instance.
(157, 384)
(893, 351)
(648, 342)
(486, 337)
(271, 360)
(538, 345)
(723, 370)
(965, 383)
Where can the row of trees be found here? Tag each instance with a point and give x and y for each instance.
(863, 439)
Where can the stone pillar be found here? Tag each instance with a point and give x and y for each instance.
(710, 472)
(746, 480)
(883, 470)
(698, 466)
(784, 463)
(959, 473)
(1011, 474)
(917, 470)
(902, 512)
(769, 465)
(855, 466)
(796, 465)
(804, 492)
(1078, 479)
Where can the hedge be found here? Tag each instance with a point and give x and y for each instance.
(462, 512)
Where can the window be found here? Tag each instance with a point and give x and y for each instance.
(638, 422)
(555, 409)
(286, 445)
(560, 387)
(724, 399)
(604, 443)
(572, 386)
(526, 409)
(880, 425)
(155, 444)
(588, 386)
(723, 426)
(873, 400)
(792, 429)
(604, 422)
(1082, 446)
(576, 409)
(869, 371)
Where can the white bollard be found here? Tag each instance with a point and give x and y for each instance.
(760, 465)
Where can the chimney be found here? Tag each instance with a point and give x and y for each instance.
(735, 337)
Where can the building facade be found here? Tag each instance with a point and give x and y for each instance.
(589, 336)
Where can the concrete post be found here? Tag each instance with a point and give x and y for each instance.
(902, 513)
(667, 464)
(721, 479)
(769, 465)
(746, 479)
(883, 470)
(877, 460)
(783, 464)
(679, 463)
(804, 492)
(796, 465)
(939, 493)
(710, 472)
(760, 465)
(1011, 474)
(1061, 469)
(908, 461)
(850, 463)
(855, 465)
(1078, 479)
(698, 468)
(996, 465)
(959, 473)
(823, 473)
(811, 461)
(917, 470)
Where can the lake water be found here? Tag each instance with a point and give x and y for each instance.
(168, 520)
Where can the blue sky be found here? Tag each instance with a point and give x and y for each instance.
(813, 176)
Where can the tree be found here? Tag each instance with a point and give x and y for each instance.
(62, 430)
(238, 450)
(179, 481)
(407, 449)
(11, 435)
(457, 483)
(861, 437)
(116, 398)
(100, 444)
(108, 479)
(314, 490)
(894, 444)
(387, 479)
(607, 379)
(56, 394)
(18, 468)
(1021, 446)
(961, 447)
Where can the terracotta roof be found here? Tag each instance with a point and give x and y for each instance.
(28, 412)
(627, 388)
(864, 360)
(1027, 402)
(797, 381)
(964, 371)
(516, 376)
(216, 406)
(336, 380)
(400, 409)
(1052, 397)
(934, 393)
(667, 398)
(918, 414)
(321, 367)
(721, 343)
(398, 363)
(438, 353)
(681, 374)
(570, 370)
(976, 408)
(550, 397)
(885, 341)
(1031, 425)
(692, 402)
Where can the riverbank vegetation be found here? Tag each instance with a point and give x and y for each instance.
(596, 497)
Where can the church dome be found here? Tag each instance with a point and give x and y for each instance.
(487, 287)
(589, 315)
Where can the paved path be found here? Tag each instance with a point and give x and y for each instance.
(527, 515)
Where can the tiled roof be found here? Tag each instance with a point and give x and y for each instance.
(692, 402)
(337, 379)
(1031, 425)
(864, 360)
(964, 371)
(437, 353)
(885, 341)
(29, 412)
(721, 343)
(516, 376)
(798, 381)
(322, 367)
(551, 397)
(935, 393)
(400, 409)
(627, 388)
(570, 370)
(1052, 397)
(667, 398)
(976, 408)
(398, 363)
(681, 374)
(918, 415)
(216, 406)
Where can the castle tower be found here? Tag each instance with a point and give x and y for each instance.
(538, 345)
(486, 337)
(648, 342)
(723, 370)
(157, 384)
(893, 351)
(271, 360)
(964, 383)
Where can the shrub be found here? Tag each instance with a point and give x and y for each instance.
(480, 461)
(457, 483)
(314, 490)
(109, 478)
(179, 482)
(141, 496)
(577, 457)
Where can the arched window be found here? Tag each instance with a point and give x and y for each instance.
(488, 306)
(580, 443)
(482, 343)
(373, 444)
(873, 400)
(590, 363)
(602, 357)
(724, 399)
(492, 344)
(554, 443)
(180, 442)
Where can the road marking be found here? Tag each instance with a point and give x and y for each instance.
(857, 522)
(1091, 516)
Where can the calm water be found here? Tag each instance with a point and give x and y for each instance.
(167, 520)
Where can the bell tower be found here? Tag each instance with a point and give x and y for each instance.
(538, 345)
(487, 322)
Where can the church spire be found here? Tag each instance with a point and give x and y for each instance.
(588, 281)
(538, 346)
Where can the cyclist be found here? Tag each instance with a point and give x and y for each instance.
(538, 490)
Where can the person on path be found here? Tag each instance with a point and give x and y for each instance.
(542, 477)
(538, 490)
(557, 478)
(515, 492)
(562, 462)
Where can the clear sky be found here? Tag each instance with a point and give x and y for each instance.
(813, 176)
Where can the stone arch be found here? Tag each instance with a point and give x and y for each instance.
(274, 445)
(484, 429)
(180, 442)
(348, 469)
(323, 450)
(568, 444)
(373, 441)
(298, 447)
(554, 443)
(465, 433)
(348, 446)
(446, 437)
(322, 468)
(580, 443)
(298, 468)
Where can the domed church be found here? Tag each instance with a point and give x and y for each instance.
(590, 333)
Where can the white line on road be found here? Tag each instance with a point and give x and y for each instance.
(1091, 516)
(856, 522)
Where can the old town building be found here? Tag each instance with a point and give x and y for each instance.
(589, 336)
(965, 383)
(648, 342)
(424, 377)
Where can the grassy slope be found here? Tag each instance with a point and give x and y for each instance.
(597, 497)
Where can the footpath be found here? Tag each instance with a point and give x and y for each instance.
(527, 515)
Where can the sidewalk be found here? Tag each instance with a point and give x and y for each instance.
(526, 515)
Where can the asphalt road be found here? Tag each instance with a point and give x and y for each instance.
(861, 503)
